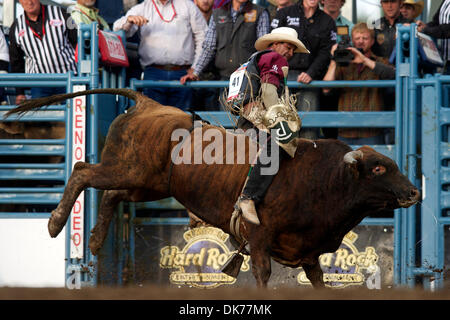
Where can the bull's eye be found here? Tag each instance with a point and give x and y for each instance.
(379, 170)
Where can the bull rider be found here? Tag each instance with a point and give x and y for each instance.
(258, 93)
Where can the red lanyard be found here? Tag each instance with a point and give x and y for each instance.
(160, 15)
(43, 24)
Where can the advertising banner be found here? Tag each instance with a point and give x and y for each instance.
(179, 256)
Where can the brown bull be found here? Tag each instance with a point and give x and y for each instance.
(32, 130)
(314, 200)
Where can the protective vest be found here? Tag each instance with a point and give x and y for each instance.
(281, 119)
(235, 41)
(251, 83)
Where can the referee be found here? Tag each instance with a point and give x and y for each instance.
(41, 41)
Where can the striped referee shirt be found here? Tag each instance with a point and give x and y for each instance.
(444, 19)
(439, 28)
(43, 46)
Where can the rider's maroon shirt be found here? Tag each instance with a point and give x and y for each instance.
(270, 68)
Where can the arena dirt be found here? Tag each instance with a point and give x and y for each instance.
(184, 293)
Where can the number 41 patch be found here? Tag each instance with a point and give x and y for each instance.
(236, 80)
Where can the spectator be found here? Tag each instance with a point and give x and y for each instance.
(113, 9)
(206, 99)
(171, 34)
(329, 102)
(4, 62)
(84, 11)
(411, 9)
(232, 31)
(439, 28)
(365, 66)
(385, 35)
(205, 7)
(385, 28)
(333, 9)
(317, 31)
(220, 3)
(275, 5)
(34, 49)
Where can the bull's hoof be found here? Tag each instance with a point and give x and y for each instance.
(98, 236)
(54, 228)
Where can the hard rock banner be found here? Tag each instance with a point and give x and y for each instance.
(179, 256)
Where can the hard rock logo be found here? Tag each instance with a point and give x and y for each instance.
(343, 267)
(200, 261)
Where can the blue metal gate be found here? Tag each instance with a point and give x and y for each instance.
(79, 271)
(435, 213)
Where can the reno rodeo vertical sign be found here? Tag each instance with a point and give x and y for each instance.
(78, 154)
(200, 262)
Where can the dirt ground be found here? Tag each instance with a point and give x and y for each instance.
(222, 303)
(184, 293)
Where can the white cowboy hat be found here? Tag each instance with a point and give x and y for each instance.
(418, 6)
(282, 34)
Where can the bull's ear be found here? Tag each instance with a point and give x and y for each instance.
(352, 159)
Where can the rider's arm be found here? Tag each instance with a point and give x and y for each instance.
(269, 94)
(271, 74)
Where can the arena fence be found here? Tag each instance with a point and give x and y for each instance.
(421, 149)
(34, 170)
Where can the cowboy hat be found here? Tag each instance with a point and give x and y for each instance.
(282, 34)
(418, 6)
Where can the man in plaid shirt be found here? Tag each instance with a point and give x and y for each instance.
(231, 29)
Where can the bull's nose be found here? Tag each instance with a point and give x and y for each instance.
(415, 194)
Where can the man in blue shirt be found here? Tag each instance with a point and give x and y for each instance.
(333, 9)
(329, 102)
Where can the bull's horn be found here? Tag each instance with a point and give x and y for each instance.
(353, 156)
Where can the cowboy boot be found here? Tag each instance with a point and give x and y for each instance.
(248, 210)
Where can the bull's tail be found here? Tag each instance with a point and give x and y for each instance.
(32, 104)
